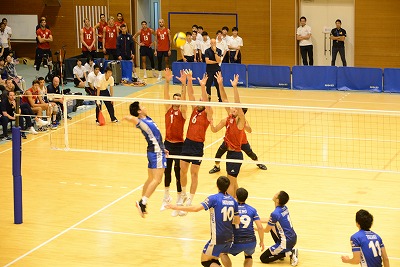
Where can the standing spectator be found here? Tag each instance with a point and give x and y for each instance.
(281, 228)
(223, 214)
(188, 50)
(126, 48)
(197, 54)
(102, 83)
(100, 27)
(221, 44)
(119, 22)
(213, 58)
(244, 238)
(44, 36)
(9, 31)
(338, 35)
(367, 246)
(235, 43)
(163, 46)
(145, 47)
(54, 88)
(5, 35)
(204, 44)
(87, 40)
(79, 74)
(226, 38)
(110, 33)
(303, 35)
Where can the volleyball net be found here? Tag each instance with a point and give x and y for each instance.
(281, 135)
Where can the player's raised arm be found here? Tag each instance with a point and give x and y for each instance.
(218, 127)
(168, 77)
(190, 90)
(131, 119)
(222, 91)
(204, 96)
(241, 118)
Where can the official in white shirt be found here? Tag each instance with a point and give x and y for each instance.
(303, 35)
(102, 82)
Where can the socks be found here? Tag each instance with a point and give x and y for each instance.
(166, 193)
(144, 200)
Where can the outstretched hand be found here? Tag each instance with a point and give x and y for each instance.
(189, 75)
(168, 75)
(235, 80)
(203, 81)
(218, 77)
(182, 78)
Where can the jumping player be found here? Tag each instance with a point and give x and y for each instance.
(163, 46)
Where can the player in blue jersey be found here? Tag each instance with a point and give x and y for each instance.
(281, 228)
(156, 153)
(244, 237)
(223, 214)
(367, 246)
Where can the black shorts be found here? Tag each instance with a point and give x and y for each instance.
(126, 57)
(162, 54)
(173, 148)
(111, 52)
(193, 149)
(146, 51)
(76, 81)
(99, 45)
(233, 168)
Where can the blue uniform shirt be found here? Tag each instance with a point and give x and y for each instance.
(281, 220)
(245, 232)
(152, 134)
(370, 245)
(223, 207)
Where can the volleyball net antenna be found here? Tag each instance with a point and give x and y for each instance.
(281, 135)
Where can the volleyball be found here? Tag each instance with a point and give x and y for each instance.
(179, 39)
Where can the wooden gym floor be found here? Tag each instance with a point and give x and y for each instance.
(79, 207)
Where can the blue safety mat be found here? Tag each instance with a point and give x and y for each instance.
(352, 78)
(198, 69)
(230, 69)
(391, 80)
(314, 77)
(268, 76)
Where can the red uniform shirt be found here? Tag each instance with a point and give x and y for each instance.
(88, 38)
(44, 34)
(198, 126)
(25, 99)
(145, 37)
(233, 136)
(174, 123)
(162, 40)
(118, 24)
(244, 138)
(100, 30)
(110, 37)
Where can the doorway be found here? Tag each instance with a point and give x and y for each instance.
(321, 16)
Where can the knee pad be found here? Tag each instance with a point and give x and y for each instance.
(248, 256)
(208, 263)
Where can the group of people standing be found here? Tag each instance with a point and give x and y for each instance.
(337, 35)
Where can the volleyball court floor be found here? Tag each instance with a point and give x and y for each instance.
(78, 208)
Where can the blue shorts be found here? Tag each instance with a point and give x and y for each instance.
(216, 250)
(247, 248)
(157, 160)
(233, 168)
(193, 149)
(279, 248)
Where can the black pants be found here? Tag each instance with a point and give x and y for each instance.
(226, 57)
(304, 50)
(246, 148)
(87, 54)
(108, 104)
(267, 256)
(42, 54)
(5, 120)
(210, 80)
(160, 55)
(335, 50)
(232, 57)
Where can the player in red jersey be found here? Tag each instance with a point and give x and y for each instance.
(145, 47)
(196, 134)
(163, 46)
(100, 26)
(120, 20)
(234, 123)
(44, 37)
(87, 40)
(175, 118)
(110, 33)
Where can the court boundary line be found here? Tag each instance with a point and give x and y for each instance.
(202, 240)
(73, 226)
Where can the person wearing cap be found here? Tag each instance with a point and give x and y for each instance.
(125, 47)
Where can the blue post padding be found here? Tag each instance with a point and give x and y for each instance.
(391, 80)
(126, 66)
(268, 76)
(198, 69)
(314, 77)
(230, 69)
(351, 78)
(17, 178)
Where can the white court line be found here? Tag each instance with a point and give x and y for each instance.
(202, 240)
(73, 226)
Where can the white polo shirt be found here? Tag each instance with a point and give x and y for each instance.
(101, 83)
(235, 42)
(4, 38)
(92, 78)
(304, 31)
(222, 45)
(188, 48)
(79, 71)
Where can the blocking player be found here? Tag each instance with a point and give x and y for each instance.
(145, 47)
(156, 153)
(234, 124)
(244, 238)
(367, 246)
(195, 137)
(175, 117)
(281, 228)
(223, 214)
(87, 40)
(163, 46)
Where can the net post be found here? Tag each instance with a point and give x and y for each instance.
(16, 165)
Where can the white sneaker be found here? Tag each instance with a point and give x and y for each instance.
(155, 74)
(159, 78)
(165, 202)
(175, 213)
(145, 76)
(41, 123)
(188, 203)
(32, 130)
(294, 258)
